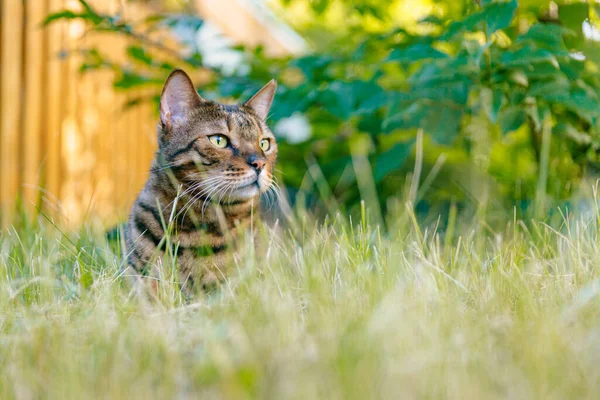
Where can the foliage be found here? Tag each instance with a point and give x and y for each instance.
(499, 76)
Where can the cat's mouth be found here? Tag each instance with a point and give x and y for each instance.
(249, 185)
(245, 191)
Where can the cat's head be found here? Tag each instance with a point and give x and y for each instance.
(225, 152)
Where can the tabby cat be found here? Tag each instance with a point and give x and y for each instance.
(212, 164)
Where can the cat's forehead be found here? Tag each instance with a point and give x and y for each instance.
(236, 119)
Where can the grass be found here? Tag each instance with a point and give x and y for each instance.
(335, 311)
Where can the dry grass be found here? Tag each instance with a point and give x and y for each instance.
(342, 311)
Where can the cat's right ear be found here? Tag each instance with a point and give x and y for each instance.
(179, 97)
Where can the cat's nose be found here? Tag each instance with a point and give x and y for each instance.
(258, 163)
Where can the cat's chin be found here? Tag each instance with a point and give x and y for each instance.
(244, 193)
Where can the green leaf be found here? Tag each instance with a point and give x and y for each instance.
(313, 67)
(439, 119)
(552, 89)
(527, 56)
(415, 52)
(573, 15)
(87, 7)
(431, 19)
(569, 131)
(511, 118)
(547, 36)
(345, 99)
(440, 84)
(319, 6)
(519, 77)
(139, 54)
(338, 99)
(574, 69)
(369, 97)
(492, 18)
(542, 70)
(64, 14)
(499, 15)
(194, 59)
(491, 101)
(130, 80)
(392, 159)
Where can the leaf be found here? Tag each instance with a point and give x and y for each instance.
(582, 102)
(511, 118)
(64, 14)
(139, 54)
(392, 159)
(460, 71)
(494, 17)
(338, 99)
(542, 70)
(130, 80)
(526, 56)
(89, 15)
(518, 77)
(313, 66)
(194, 59)
(491, 101)
(547, 36)
(499, 15)
(573, 15)
(431, 19)
(455, 92)
(319, 6)
(573, 69)
(369, 97)
(569, 131)
(87, 7)
(439, 119)
(371, 123)
(415, 52)
(552, 89)
(345, 99)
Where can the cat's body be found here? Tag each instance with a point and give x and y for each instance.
(212, 164)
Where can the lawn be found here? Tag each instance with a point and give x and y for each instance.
(330, 310)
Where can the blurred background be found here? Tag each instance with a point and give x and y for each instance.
(491, 106)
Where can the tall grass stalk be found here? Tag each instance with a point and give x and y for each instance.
(336, 310)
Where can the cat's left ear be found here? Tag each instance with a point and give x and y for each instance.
(261, 101)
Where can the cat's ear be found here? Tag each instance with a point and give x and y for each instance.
(261, 101)
(178, 98)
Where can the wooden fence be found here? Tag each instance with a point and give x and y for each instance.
(65, 140)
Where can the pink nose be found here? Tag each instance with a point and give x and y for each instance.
(258, 164)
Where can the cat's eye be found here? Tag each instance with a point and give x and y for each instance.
(219, 141)
(265, 144)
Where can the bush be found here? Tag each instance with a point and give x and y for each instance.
(506, 95)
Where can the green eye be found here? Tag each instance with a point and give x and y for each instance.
(265, 144)
(219, 141)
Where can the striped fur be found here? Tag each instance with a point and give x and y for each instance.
(207, 196)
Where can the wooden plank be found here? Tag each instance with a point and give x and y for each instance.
(71, 140)
(53, 106)
(34, 66)
(10, 99)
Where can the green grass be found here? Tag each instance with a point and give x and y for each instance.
(334, 311)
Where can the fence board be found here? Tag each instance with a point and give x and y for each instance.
(33, 64)
(63, 134)
(10, 98)
(53, 107)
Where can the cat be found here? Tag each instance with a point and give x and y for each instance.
(213, 162)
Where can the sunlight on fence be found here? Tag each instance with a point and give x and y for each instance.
(65, 141)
